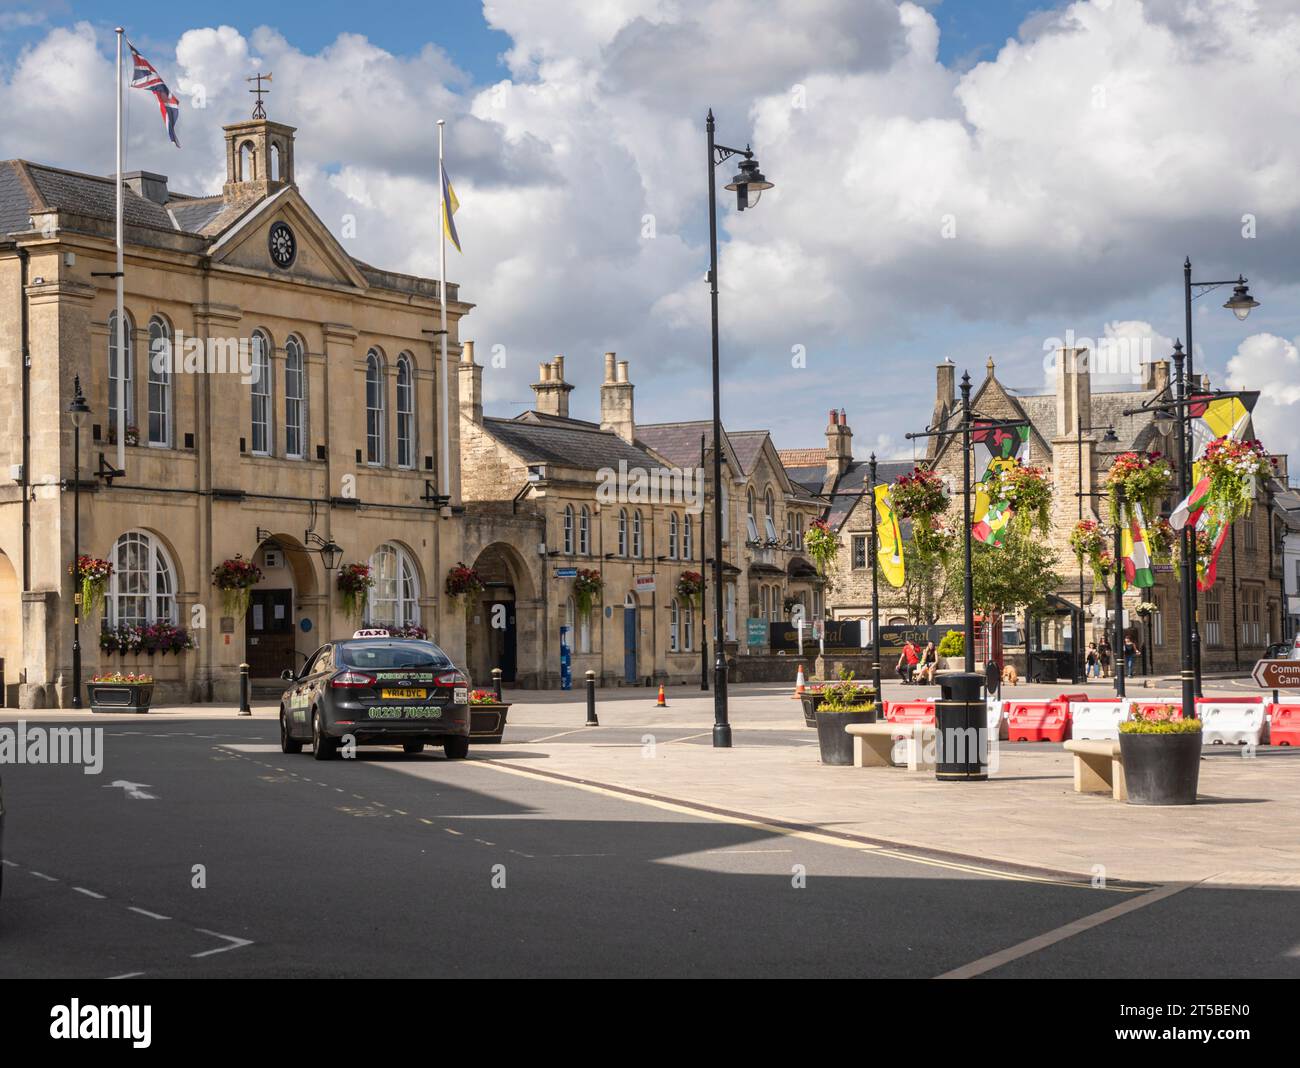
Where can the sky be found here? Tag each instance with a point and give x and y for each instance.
(953, 180)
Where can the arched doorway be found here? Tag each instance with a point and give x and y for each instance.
(285, 610)
(11, 631)
(502, 630)
(631, 629)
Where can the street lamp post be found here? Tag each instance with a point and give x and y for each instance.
(1118, 652)
(748, 179)
(1240, 304)
(875, 583)
(1109, 439)
(704, 634)
(78, 412)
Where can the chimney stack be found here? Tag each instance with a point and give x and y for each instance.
(471, 384)
(1073, 392)
(1159, 375)
(839, 446)
(551, 388)
(616, 399)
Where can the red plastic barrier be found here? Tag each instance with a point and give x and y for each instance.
(1145, 708)
(910, 712)
(1037, 721)
(1284, 724)
(1230, 700)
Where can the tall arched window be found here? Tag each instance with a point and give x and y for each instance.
(688, 537)
(160, 382)
(261, 394)
(636, 534)
(126, 366)
(726, 510)
(769, 515)
(405, 412)
(395, 598)
(672, 535)
(751, 522)
(674, 614)
(584, 532)
(688, 626)
(622, 532)
(142, 588)
(295, 399)
(568, 530)
(375, 431)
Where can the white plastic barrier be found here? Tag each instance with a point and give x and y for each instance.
(997, 721)
(1097, 721)
(1232, 724)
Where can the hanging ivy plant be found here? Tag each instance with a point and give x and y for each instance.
(1089, 545)
(1234, 469)
(587, 585)
(822, 544)
(463, 581)
(92, 574)
(690, 587)
(354, 584)
(1145, 477)
(1026, 490)
(235, 579)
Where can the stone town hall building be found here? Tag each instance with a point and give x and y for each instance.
(334, 438)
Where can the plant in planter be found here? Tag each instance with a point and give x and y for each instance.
(132, 435)
(129, 639)
(690, 587)
(587, 585)
(120, 692)
(1234, 469)
(235, 578)
(822, 543)
(487, 717)
(92, 574)
(953, 644)
(842, 703)
(464, 582)
(408, 630)
(1161, 752)
(354, 585)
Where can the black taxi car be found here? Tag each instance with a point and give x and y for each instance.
(376, 690)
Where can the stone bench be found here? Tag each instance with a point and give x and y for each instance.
(873, 744)
(1098, 768)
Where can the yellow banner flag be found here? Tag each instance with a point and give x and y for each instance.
(890, 553)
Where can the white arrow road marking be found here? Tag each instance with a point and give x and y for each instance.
(235, 943)
(134, 790)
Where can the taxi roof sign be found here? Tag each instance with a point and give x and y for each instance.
(371, 632)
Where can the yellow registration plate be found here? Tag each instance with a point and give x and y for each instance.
(404, 695)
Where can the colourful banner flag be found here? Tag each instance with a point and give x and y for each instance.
(890, 553)
(450, 205)
(1137, 569)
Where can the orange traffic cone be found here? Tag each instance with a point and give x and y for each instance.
(661, 703)
(799, 684)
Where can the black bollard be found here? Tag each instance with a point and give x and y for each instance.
(496, 683)
(244, 708)
(592, 721)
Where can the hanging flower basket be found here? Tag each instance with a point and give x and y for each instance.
(92, 574)
(1026, 490)
(919, 494)
(235, 579)
(1234, 469)
(1089, 545)
(354, 584)
(1162, 541)
(1145, 477)
(822, 544)
(587, 587)
(129, 639)
(690, 587)
(463, 581)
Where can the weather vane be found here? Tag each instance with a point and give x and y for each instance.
(259, 112)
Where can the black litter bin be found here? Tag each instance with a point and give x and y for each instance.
(961, 720)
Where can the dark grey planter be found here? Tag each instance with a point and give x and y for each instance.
(810, 702)
(120, 696)
(837, 746)
(487, 723)
(1161, 769)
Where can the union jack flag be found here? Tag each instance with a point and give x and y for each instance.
(145, 77)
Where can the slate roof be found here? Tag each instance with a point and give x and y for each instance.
(679, 443)
(850, 486)
(1133, 431)
(541, 439)
(748, 446)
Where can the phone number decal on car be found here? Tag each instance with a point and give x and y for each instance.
(398, 712)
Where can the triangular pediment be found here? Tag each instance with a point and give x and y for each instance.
(317, 254)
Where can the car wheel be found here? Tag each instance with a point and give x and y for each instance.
(287, 744)
(456, 748)
(412, 747)
(322, 746)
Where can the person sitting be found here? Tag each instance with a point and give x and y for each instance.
(929, 664)
(907, 661)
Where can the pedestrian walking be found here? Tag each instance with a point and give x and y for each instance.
(1103, 655)
(1092, 662)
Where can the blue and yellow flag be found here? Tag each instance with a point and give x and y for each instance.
(450, 205)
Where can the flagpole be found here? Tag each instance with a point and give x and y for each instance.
(444, 448)
(120, 399)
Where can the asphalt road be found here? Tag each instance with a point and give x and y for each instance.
(386, 865)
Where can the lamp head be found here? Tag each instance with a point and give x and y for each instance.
(1241, 302)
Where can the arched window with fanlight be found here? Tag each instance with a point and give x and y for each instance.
(142, 587)
(125, 367)
(375, 423)
(405, 412)
(295, 399)
(160, 382)
(261, 394)
(394, 599)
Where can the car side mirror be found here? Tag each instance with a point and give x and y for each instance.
(288, 676)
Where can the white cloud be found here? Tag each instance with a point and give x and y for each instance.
(1271, 364)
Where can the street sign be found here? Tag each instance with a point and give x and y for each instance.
(644, 583)
(566, 572)
(1277, 674)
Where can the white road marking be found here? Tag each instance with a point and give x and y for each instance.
(88, 893)
(235, 943)
(146, 912)
(126, 975)
(1042, 941)
(134, 790)
(562, 734)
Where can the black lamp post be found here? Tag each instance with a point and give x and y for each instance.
(78, 412)
(1109, 439)
(875, 584)
(1240, 304)
(748, 179)
(1118, 652)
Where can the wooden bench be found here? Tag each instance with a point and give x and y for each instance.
(873, 744)
(1098, 768)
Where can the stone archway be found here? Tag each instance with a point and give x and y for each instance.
(11, 631)
(288, 597)
(504, 628)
